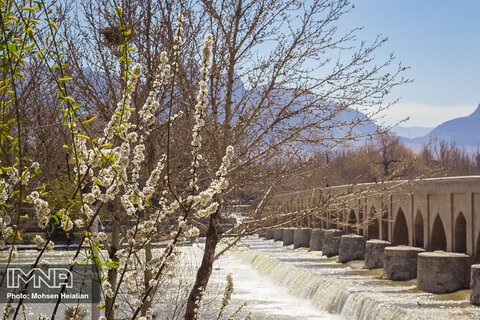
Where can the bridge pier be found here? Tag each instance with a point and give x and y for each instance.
(331, 242)
(401, 262)
(302, 238)
(443, 272)
(288, 236)
(374, 253)
(269, 234)
(316, 240)
(278, 235)
(352, 247)
(475, 285)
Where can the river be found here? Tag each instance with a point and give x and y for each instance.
(282, 283)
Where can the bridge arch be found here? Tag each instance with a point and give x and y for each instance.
(418, 239)
(400, 229)
(373, 226)
(352, 222)
(460, 233)
(439, 240)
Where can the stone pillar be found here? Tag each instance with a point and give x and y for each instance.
(475, 285)
(269, 234)
(331, 242)
(288, 236)
(316, 240)
(443, 272)
(301, 238)
(352, 247)
(278, 235)
(401, 262)
(374, 253)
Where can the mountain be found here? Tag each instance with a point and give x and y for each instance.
(330, 127)
(464, 132)
(411, 132)
(289, 108)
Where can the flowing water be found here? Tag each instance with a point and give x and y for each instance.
(263, 298)
(282, 283)
(348, 289)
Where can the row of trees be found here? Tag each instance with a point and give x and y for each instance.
(381, 158)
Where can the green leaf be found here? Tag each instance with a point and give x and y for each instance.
(55, 218)
(110, 264)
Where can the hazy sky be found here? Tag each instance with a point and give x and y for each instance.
(440, 41)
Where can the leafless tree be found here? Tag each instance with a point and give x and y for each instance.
(282, 78)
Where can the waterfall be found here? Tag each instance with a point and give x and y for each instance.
(332, 295)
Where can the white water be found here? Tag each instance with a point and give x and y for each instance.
(264, 299)
(347, 289)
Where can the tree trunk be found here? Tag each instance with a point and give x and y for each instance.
(112, 272)
(205, 270)
(148, 277)
(150, 163)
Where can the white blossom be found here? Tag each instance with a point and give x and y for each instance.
(50, 246)
(39, 241)
(13, 253)
(192, 232)
(79, 223)
(67, 223)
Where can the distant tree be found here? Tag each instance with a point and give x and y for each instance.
(396, 158)
(477, 162)
(449, 160)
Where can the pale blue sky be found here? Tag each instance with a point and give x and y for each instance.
(440, 41)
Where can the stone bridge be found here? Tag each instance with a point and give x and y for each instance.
(435, 214)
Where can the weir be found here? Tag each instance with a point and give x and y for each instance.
(288, 236)
(316, 240)
(302, 238)
(374, 257)
(443, 272)
(349, 289)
